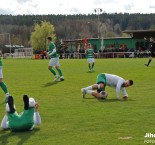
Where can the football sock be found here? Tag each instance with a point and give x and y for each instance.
(11, 104)
(89, 92)
(26, 102)
(60, 72)
(88, 88)
(53, 72)
(89, 66)
(93, 66)
(149, 62)
(4, 88)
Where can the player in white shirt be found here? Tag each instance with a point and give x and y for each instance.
(105, 79)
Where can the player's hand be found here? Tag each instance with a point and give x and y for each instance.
(36, 106)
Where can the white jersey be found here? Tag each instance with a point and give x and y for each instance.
(117, 82)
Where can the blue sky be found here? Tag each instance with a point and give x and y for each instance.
(65, 7)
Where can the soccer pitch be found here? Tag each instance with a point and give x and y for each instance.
(67, 118)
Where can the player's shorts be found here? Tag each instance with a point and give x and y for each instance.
(101, 79)
(1, 73)
(54, 62)
(91, 60)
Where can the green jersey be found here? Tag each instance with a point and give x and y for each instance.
(51, 48)
(21, 122)
(90, 53)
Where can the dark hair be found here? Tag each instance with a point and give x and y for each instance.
(131, 82)
(49, 38)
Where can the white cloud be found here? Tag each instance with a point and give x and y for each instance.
(16, 7)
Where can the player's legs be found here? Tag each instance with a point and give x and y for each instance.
(93, 63)
(89, 89)
(150, 59)
(99, 86)
(11, 108)
(89, 64)
(57, 66)
(3, 85)
(52, 63)
(26, 102)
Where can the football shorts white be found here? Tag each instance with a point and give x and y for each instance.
(1, 73)
(91, 60)
(54, 62)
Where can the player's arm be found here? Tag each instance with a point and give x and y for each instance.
(118, 88)
(53, 48)
(37, 118)
(125, 95)
(51, 53)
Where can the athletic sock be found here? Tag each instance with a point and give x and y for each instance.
(11, 104)
(89, 66)
(92, 66)
(4, 87)
(149, 62)
(53, 72)
(88, 88)
(59, 71)
(89, 92)
(26, 102)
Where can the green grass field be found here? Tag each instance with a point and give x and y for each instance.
(67, 118)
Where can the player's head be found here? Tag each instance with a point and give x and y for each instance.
(49, 38)
(128, 83)
(89, 45)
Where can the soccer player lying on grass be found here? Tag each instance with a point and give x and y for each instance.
(24, 121)
(111, 80)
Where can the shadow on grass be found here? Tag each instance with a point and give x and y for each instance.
(113, 100)
(51, 83)
(110, 100)
(90, 71)
(22, 136)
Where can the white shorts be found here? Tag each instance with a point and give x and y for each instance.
(54, 62)
(91, 60)
(1, 73)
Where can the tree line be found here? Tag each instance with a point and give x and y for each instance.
(70, 27)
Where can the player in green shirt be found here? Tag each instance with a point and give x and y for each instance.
(90, 57)
(2, 84)
(54, 60)
(24, 121)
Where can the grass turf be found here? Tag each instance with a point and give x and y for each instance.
(67, 118)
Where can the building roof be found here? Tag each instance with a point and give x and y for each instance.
(140, 34)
